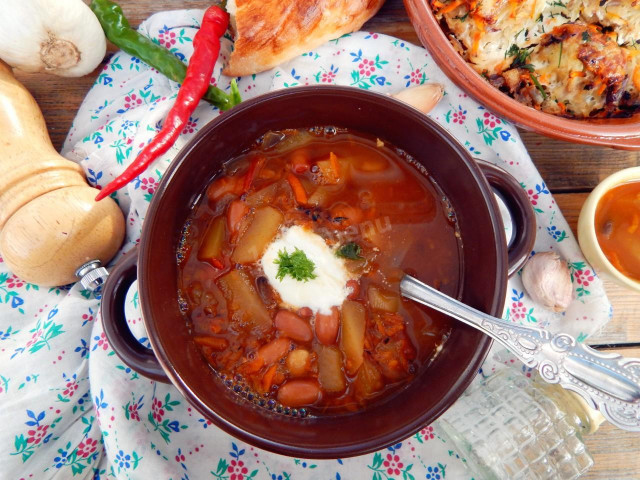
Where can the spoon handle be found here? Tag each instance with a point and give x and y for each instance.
(607, 381)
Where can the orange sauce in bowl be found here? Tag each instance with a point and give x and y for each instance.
(617, 224)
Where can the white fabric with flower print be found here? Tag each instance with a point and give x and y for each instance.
(70, 409)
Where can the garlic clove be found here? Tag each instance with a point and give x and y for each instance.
(547, 280)
(423, 97)
(52, 36)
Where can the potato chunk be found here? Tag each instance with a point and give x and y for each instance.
(243, 301)
(330, 372)
(211, 246)
(368, 381)
(383, 300)
(263, 228)
(352, 335)
(298, 362)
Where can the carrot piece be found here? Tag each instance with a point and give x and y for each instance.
(252, 173)
(576, 73)
(476, 43)
(602, 88)
(389, 324)
(223, 186)
(252, 366)
(278, 378)
(299, 162)
(636, 77)
(236, 212)
(479, 21)
(452, 6)
(215, 343)
(217, 263)
(335, 166)
(267, 379)
(298, 190)
(526, 78)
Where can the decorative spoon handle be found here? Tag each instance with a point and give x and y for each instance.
(607, 381)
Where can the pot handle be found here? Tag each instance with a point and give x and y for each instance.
(522, 215)
(114, 322)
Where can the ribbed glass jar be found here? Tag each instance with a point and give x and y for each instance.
(514, 428)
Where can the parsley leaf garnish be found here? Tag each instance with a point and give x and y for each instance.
(585, 36)
(296, 264)
(350, 250)
(535, 81)
(520, 61)
(520, 55)
(560, 56)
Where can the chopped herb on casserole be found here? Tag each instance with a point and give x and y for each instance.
(575, 58)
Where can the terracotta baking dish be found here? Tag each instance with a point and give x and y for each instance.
(623, 133)
(485, 260)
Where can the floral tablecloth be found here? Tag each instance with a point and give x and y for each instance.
(68, 406)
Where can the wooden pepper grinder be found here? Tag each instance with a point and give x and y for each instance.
(50, 225)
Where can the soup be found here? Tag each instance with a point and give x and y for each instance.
(289, 270)
(616, 222)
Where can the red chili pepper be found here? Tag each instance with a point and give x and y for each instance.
(206, 47)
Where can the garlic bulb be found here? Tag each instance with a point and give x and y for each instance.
(62, 37)
(547, 280)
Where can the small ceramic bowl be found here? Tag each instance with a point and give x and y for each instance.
(587, 231)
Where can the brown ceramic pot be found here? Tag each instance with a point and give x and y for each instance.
(484, 277)
(623, 133)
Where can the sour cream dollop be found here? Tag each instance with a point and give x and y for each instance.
(320, 293)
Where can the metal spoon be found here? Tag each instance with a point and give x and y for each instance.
(607, 381)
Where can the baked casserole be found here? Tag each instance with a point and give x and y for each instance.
(574, 58)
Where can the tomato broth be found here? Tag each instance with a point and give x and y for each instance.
(616, 222)
(378, 214)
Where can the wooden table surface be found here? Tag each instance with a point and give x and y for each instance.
(570, 171)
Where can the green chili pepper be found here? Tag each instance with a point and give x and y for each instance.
(120, 33)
